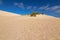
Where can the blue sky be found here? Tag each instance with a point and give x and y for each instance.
(49, 7)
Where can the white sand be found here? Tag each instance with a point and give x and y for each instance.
(42, 27)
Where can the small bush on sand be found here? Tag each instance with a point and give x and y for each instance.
(34, 14)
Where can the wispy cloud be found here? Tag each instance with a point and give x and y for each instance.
(29, 7)
(35, 8)
(16, 4)
(55, 7)
(57, 11)
(44, 7)
(0, 2)
(52, 8)
(20, 5)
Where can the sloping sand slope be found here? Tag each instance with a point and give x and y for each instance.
(29, 28)
(3, 13)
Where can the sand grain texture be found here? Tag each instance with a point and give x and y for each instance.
(29, 28)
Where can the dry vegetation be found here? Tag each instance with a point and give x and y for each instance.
(35, 13)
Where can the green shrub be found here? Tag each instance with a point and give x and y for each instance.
(34, 14)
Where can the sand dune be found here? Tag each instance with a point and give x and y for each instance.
(3, 13)
(42, 27)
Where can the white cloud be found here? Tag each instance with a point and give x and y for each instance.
(0, 2)
(55, 7)
(29, 7)
(15, 3)
(57, 11)
(34, 8)
(21, 5)
(49, 8)
(44, 7)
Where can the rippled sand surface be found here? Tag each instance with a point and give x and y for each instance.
(42, 27)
